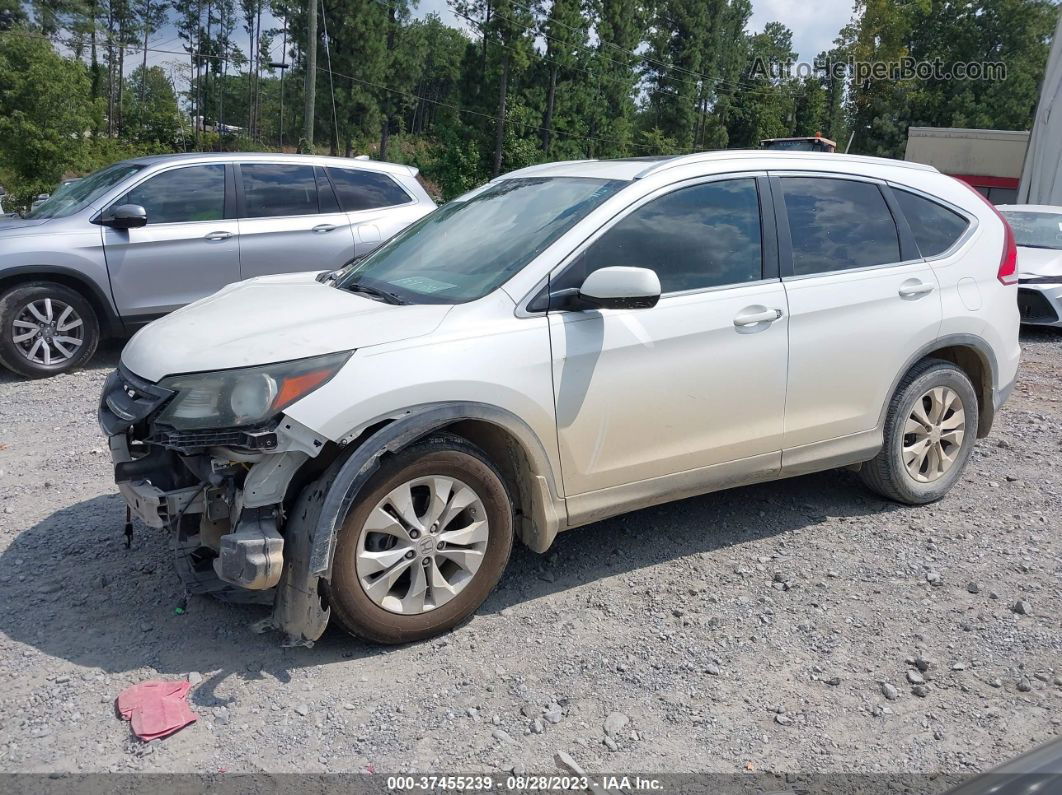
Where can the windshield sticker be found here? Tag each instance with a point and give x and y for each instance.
(423, 284)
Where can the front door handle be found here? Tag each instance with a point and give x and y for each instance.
(219, 235)
(323, 228)
(914, 288)
(752, 318)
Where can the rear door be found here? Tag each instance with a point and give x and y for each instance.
(290, 220)
(861, 303)
(377, 207)
(189, 248)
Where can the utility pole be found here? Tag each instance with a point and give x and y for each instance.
(311, 75)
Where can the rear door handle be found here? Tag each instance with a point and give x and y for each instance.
(913, 289)
(752, 318)
(324, 228)
(219, 235)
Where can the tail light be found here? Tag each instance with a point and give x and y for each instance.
(1008, 263)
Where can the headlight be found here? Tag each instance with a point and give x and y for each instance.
(247, 396)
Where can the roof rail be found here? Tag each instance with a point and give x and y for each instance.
(741, 154)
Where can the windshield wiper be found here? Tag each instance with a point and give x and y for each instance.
(383, 295)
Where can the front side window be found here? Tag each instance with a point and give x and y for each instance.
(697, 237)
(76, 196)
(366, 190)
(472, 245)
(1035, 229)
(271, 190)
(935, 228)
(838, 224)
(182, 195)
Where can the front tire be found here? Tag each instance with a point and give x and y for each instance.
(930, 430)
(46, 329)
(424, 545)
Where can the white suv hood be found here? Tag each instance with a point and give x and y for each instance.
(271, 319)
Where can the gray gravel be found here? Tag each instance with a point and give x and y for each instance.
(796, 626)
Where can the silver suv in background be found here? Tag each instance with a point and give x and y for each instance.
(110, 252)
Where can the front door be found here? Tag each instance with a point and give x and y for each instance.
(188, 250)
(290, 221)
(698, 380)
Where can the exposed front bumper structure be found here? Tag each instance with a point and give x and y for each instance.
(221, 492)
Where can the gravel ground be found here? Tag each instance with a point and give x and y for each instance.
(798, 626)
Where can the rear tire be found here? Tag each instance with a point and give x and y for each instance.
(408, 573)
(46, 329)
(930, 431)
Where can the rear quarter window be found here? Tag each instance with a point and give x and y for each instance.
(366, 190)
(935, 227)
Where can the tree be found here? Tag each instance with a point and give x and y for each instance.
(45, 109)
(677, 60)
(152, 104)
(566, 30)
(151, 15)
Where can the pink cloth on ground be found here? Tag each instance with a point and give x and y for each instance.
(156, 708)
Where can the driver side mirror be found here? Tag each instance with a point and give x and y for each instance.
(125, 216)
(612, 288)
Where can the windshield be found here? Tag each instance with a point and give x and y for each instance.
(1036, 230)
(472, 245)
(76, 196)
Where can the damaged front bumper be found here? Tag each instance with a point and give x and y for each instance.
(221, 492)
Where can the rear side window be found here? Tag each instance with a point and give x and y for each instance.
(182, 195)
(702, 236)
(276, 189)
(366, 190)
(838, 224)
(935, 228)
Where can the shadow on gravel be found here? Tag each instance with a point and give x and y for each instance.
(680, 529)
(69, 588)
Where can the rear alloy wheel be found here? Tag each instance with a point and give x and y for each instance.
(424, 546)
(46, 329)
(930, 430)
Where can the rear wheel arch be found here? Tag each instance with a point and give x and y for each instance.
(973, 355)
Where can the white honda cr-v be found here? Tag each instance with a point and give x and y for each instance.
(567, 343)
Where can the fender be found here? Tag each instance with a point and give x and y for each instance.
(990, 401)
(413, 424)
(110, 324)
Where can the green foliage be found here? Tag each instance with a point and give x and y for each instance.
(523, 81)
(1013, 32)
(45, 109)
(152, 115)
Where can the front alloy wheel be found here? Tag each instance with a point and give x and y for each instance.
(48, 332)
(422, 544)
(426, 542)
(46, 329)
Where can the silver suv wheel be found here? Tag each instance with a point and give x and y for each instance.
(46, 328)
(48, 332)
